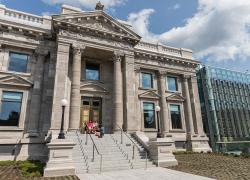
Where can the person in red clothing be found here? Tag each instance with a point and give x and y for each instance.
(90, 126)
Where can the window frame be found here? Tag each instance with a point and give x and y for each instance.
(5, 100)
(152, 80)
(85, 71)
(20, 53)
(22, 117)
(155, 116)
(182, 117)
(177, 83)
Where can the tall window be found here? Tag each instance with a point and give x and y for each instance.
(172, 83)
(175, 116)
(149, 115)
(10, 108)
(147, 80)
(92, 72)
(18, 62)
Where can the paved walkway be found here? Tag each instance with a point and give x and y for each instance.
(141, 174)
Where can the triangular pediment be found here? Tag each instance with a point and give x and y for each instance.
(15, 80)
(175, 97)
(151, 94)
(93, 87)
(98, 22)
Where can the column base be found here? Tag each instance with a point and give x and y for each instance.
(199, 143)
(60, 161)
(161, 152)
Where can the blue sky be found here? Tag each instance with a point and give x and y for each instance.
(216, 30)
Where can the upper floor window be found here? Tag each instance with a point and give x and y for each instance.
(10, 108)
(175, 112)
(149, 115)
(18, 62)
(92, 72)
(147, 80)
(172, 83)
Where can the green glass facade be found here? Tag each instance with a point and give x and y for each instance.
(225, 106)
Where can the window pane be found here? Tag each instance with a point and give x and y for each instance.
(149, 115)
(18, 62)
(92, 72)
(10, 108)
(172, 83)
(175, 116)
(147, 80)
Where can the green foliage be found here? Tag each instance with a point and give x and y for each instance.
(31, 168)
(26, 168)
(7, 163)
(245, 155)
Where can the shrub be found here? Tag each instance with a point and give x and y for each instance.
(31, 168)
(7, 163)
(245, 155)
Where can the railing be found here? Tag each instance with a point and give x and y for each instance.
(93, 150)
(81, 147)
(134, 146)
(159, 48)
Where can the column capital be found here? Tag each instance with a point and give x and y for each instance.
(186, 76)
(78, 48)
(117, 56)
(41, 52)
(137, 69)
(162, 74)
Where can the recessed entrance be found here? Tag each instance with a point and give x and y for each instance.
(91, 110)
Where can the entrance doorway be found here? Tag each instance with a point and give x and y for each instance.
(91, 110)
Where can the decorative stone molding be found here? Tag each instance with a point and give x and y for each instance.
(151, 94)
(137, 69)
(175, 97)
(15, 80)
(78, 48)
(97, 23)
(93, 87)
(162, 74)
(117, 56)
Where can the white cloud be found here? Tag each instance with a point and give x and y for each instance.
(175, 7)
(89, 4)
(140, 23)
(218, 31)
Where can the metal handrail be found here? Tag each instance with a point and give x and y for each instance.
(93, 151)
(81, 147)
(134, 145)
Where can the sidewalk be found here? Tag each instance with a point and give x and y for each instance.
(141, 174)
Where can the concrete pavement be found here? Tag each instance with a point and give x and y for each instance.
(141, 174)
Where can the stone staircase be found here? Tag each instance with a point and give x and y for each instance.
(114, 155)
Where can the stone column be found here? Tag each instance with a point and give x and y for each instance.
(61, 77)
(75, 101)
(164, 107)
(117, 94)
(130, 123)
(195, 100)
(36, 95)
(188, 107)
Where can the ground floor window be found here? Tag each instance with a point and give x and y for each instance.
(149, 115)
(10, 108)
(175, 116)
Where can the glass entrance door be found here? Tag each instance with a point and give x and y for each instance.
(91, 110)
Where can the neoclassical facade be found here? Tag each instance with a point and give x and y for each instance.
(103, 69)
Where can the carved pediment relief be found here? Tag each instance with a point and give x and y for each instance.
(15, 80)
(98, 22)
(93, 87)
(151, 94)
(176, 97)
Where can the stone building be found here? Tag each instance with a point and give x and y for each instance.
(104, 70)
(224, 96)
